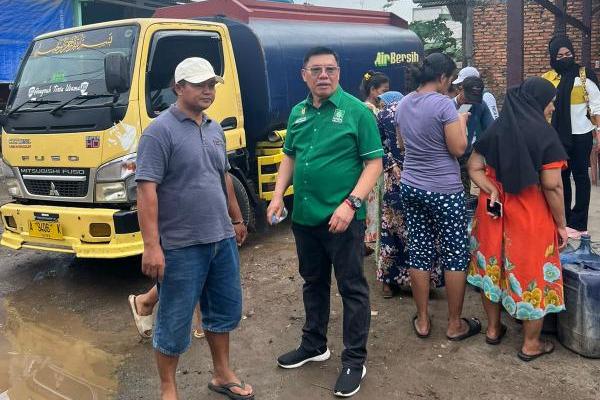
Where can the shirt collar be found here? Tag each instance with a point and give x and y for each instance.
(335, 98)
(181, 116)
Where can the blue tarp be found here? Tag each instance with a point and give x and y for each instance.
(21, 21)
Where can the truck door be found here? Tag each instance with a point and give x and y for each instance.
(166, 49)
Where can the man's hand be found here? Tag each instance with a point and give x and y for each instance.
(275, 208)
(341, 218)
(153, 262)
(241, 233)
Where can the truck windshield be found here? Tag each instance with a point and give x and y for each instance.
(62, 67)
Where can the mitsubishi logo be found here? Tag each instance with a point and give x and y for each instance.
(53, 191)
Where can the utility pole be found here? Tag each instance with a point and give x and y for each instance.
(468, 32)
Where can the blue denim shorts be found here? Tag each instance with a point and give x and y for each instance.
(205, 273)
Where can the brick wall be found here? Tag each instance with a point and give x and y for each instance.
(490, 33)
(489, 49)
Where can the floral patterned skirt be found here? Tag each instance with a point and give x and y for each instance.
(393, 268)
(515, 258)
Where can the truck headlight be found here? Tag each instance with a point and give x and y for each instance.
(116, 181)
(10, 180)
(117, 170)
(111, 192)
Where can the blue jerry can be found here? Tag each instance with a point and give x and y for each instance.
(579, 326)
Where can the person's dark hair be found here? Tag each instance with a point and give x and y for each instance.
(473, 90)
(434, 67)
(319, 51)
(372, 80)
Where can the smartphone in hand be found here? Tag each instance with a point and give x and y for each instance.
(495, 209)
(465, 108)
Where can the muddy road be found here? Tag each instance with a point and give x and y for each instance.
(66, 333)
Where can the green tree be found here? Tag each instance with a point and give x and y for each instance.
(437, 37)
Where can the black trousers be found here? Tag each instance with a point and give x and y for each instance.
(579, 162)
(318, 250)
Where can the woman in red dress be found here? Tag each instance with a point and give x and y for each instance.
(515, 260)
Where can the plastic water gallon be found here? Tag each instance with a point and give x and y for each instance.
(579, 326)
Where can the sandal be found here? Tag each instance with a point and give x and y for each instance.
(531, 357)
(143, 323)
(198, 334)
(474, 329)
(387, 291)
(496, 341)
(226, 390)
(419, 334)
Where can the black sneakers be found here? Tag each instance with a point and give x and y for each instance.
(348, 383)
(299, 357)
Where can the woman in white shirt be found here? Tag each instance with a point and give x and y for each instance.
(575, 100)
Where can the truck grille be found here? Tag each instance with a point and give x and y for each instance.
(60, 189)
(56, 182)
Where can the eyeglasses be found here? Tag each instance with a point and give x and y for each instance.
(318, 70)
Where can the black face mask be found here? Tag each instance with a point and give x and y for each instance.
(564, 64)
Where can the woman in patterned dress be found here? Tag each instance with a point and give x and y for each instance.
(372, 85)
(515, 260)
(392, 268)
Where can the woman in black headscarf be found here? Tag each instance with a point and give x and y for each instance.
(577, 96)
(517, 165)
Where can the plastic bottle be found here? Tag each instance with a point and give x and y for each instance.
(275, 220)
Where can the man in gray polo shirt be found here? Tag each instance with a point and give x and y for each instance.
(190, 222)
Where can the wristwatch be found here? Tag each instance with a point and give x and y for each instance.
(354, 202)
(237, 222)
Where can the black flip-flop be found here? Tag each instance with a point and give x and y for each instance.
(474, 329)
(531, 357)
(497, 340)
(226, 390)
(419, 334)
(389, 293)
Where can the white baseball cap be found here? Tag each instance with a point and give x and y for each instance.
(196, 70)
(464, 73)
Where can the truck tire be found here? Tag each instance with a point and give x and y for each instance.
(243, 200)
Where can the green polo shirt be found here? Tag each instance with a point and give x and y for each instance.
(329, 145)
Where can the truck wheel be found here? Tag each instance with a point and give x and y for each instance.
(244, 202)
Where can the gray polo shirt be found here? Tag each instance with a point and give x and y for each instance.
(188, 162)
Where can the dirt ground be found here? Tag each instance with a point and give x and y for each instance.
(65, 327)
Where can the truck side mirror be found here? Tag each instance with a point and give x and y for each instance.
(116, 72)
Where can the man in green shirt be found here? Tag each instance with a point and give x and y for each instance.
(333, 152)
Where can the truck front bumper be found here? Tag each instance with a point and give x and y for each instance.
(86, 232)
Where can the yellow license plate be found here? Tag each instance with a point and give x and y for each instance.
(45, 229)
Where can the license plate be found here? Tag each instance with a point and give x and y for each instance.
(45, 229)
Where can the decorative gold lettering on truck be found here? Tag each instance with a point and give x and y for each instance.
(384, 59)
(73, 43)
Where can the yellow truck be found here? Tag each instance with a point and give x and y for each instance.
(83, 97)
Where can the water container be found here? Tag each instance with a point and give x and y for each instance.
(579, 326)
(583, 254)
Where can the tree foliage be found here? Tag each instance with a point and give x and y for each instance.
(437, 37)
